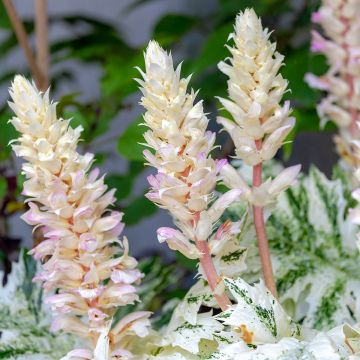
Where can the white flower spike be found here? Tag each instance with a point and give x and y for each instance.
(71, 206)
(259, 124)
(186, 173)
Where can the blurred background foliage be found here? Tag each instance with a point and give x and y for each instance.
(199, 40)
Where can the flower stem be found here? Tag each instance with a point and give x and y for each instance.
(211, 274)
(42, 42)
(350, 80)
(22, 38)
(261, 232)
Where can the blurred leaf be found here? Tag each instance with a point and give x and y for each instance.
(119, 74)
(67, 100)
(7, 134)
(229, 8)
(138, 209)
(187, 263)
(20, 179)
(122, 183)
(136, 3)
(4, 20)
(297, 64)
(30, 270)
(100, 158)
(136, 167)
(211, 84)
(213, 49)
(172, 27)
(128, 143)
(3, 187)
(306, 120)
(78, 119)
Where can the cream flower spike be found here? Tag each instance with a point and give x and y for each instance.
(259, 124)
(186, 173)
(341, 46)
(71, 206)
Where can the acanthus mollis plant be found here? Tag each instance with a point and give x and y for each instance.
(186, 173)
(88, 267)
(341, 46)
(259, 123)
(253, 324)
(83, 260)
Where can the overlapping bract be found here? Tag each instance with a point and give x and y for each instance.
(180, 145)
(339, 20)
(259, 123)
(83, 258)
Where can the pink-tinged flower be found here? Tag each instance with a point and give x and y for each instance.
(316, 17)
(65, 303)
(97, 315)
(126, 276)
(318, 43)
(219, 206)
(82, 257)
(285, 179)
(177, 241)
(71, 325)
(317, 82)
(78, 354)
(186, 174)
(135, 323)
(339, 43)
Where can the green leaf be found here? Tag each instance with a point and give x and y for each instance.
(122, 183)
(4, 19)
(7, 134)
(306, 120)
(119, 73)
(230, 8)
(20, 179)
(297, 64)
(3, 187)
(136, 167)
(129, 141)
(213, 49)
(67, 100)
(78, 119)
(138, 209)
(172, 27)
(100, 158)
(187, 263)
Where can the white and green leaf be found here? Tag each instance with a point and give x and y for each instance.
(314, 254)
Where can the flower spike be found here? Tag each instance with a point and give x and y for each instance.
(259, 124)
(186, 173)
(70, 204)
(341, 47)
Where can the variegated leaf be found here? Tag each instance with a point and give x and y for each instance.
(314, 253)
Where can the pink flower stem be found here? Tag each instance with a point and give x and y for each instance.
(211, 274)
(261, 232)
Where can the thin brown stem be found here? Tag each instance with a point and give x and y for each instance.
(211, 274)
(42, 43)
(259, 222)
(22, 37)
